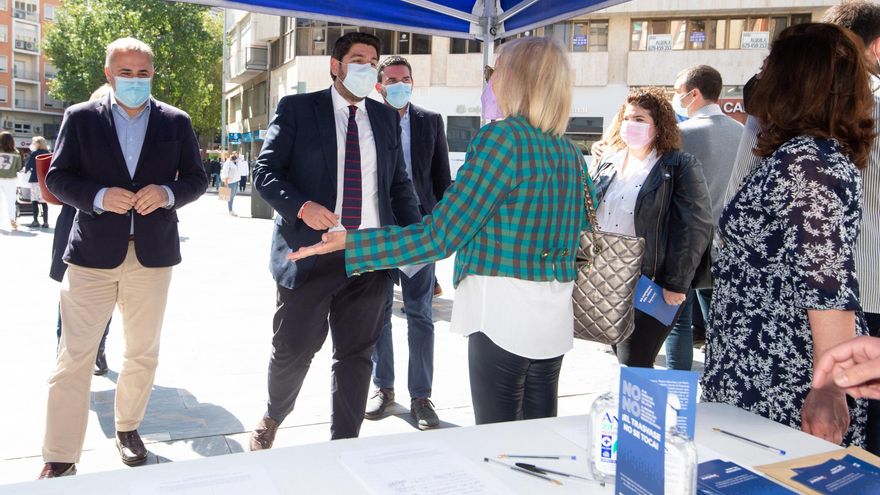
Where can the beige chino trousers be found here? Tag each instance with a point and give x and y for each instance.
(88, 296)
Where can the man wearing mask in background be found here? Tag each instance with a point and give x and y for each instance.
(331, 160)
(712, 138)
(125, 162)
(425, 153)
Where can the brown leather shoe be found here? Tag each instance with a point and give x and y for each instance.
(131, 448)
(264, 434)
(57, 470)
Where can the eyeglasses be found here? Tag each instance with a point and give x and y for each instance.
(487, 72)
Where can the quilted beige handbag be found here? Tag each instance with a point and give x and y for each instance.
(608, 269)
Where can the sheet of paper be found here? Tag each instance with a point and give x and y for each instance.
(245, 479)
(411, 270)
(424, 468)
(578, 434)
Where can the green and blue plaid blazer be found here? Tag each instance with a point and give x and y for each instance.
(515, 210)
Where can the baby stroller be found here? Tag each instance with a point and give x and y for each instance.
(23, 205)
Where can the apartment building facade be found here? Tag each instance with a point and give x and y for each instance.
(26, 109)
(638, 43)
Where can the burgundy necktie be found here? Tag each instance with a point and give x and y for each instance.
(351, 184)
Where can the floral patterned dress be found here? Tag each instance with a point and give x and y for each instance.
(788, 236)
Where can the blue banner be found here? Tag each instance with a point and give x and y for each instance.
(640, 435)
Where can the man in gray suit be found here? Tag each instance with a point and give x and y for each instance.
(712, 137)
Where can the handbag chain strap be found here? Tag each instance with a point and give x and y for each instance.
(591, 216)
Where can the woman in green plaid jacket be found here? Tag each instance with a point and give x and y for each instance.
(513, 216)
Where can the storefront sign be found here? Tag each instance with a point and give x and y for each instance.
(698, 37)
(733, 108)
(659, 42)
(755, 40)
(234, 138)
(580, 40)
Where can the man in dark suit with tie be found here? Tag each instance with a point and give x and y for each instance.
(331, 160)
(126, 162)
(426, 156)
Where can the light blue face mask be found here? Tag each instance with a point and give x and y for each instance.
(397, 95)
(360, 79)
(132, 91)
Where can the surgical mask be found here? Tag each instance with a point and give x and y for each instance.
(132, 91)
(490, 108)
(636, 135)
(360, 79)
(680, 109)
(397, 95)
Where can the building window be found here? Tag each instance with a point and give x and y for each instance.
(458, 45)
(579, 36)
(721, 33)
(49, 12)
(4, 63)
(50, 131)
(4, 93)
(318, 38)
(50, 102)
(460, 131)
(275, 54)
(288, 39)
(22, 127)
(4, 33)
(4, 6)
(258, 100)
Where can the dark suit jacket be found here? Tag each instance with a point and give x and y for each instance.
(298, 163)
(88, 157)
(429, 155)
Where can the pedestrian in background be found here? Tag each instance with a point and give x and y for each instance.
(10, 164)
(39, 146)
(243, 172)
(230, 177)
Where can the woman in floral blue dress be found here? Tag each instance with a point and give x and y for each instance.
(785, 286)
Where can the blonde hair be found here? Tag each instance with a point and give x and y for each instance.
(39, 143)
(533, 80)
(127, 45)
(102, 91)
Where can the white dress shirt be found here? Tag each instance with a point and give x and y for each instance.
(369, 170)
(616, 211)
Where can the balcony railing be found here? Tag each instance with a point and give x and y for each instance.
(26, 104)
(26, 15)
(25, 74)
(30, 45)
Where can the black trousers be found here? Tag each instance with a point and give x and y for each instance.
(352, 309)
(509, 387)
(872, 443)
(242, 184)
(641, 348)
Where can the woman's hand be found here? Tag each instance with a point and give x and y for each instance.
(330, 242)
(673, 298)
(853, 366)
(825, 414)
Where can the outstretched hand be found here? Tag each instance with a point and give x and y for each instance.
(330, 242)
(853, 366)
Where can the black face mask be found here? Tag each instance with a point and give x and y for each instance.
(748, 90)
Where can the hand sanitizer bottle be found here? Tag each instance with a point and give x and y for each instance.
(680, 466)
(603, 434)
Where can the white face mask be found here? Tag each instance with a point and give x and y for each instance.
(678, 106)
(360, 79)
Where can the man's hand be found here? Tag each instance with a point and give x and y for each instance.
(318, 217)
(673, 298)
(825, 414)
(118, 200)
(330, 242)
(149, 198)
(853, 365)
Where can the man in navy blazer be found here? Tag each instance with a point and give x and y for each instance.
(331, 160)
(426, 156)
(126, 162)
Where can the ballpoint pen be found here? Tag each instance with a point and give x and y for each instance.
(526, 456)
(526, 471)
(540, 470)
(753, 442)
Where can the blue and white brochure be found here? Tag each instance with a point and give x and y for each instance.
(649, 300)
(719, 477)
(684, 385)
(847, 476)
(640, 435)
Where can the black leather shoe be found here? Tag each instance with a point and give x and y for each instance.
(57, 470)
(100, 364)
(131, 448)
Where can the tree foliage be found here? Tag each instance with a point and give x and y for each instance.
(186, 41)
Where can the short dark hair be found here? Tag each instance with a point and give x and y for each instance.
(392, 61)
(343, 45)
(704, 78)
(7, 142)
(860, 17)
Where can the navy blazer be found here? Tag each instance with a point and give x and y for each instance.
(298, 163)
(88, 157)
(429, 155)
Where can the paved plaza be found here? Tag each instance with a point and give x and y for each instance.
(210, 388)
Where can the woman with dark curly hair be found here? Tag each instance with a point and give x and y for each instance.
(785, 286)
(650, 189)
